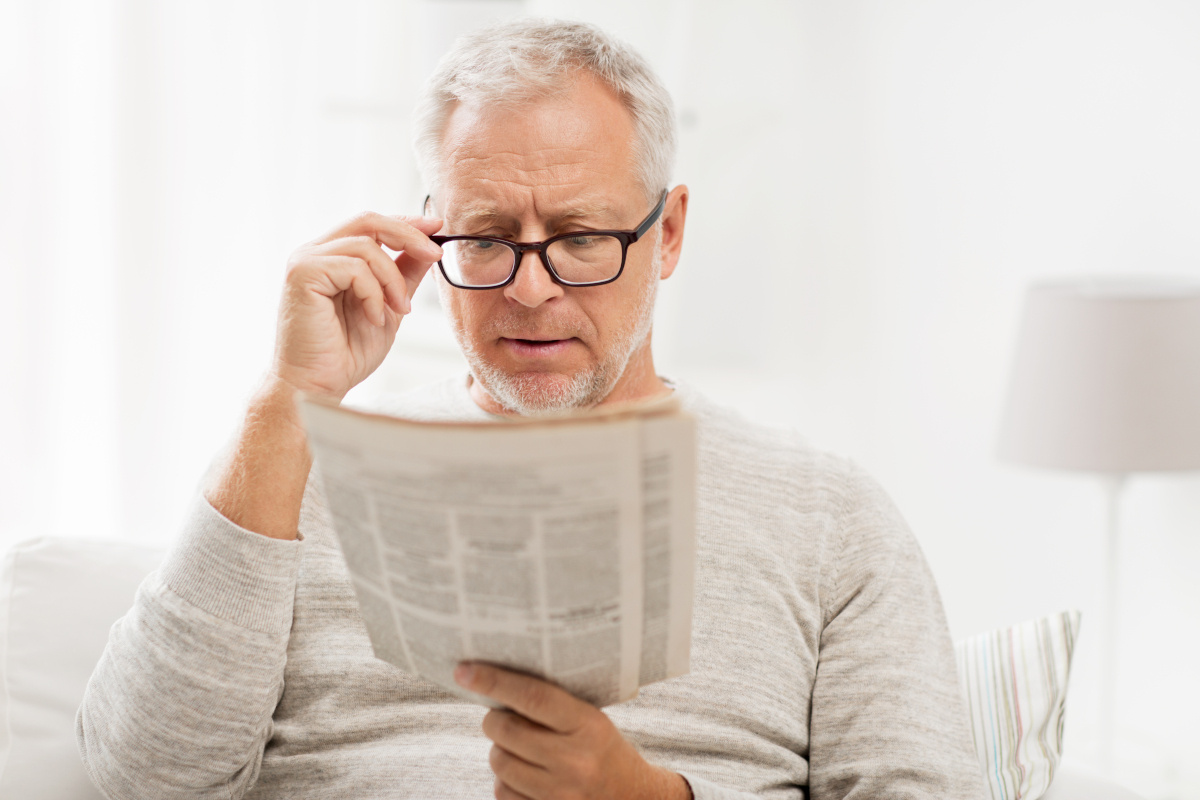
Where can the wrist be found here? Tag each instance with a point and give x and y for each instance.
(260, 487)
(278, 397)
(279, 384)
(275, 404)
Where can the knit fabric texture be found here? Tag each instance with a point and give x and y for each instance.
(821, 662)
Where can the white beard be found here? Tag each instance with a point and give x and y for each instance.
(540, 394)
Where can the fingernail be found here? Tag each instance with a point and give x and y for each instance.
(464, 673)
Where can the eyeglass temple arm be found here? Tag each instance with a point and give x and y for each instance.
(438, 240)
(650, 220)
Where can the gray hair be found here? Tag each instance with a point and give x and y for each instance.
(529, 59)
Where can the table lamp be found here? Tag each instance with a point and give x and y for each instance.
(1106, 380)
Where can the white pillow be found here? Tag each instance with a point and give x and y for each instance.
(1015, 683)
(58, 599)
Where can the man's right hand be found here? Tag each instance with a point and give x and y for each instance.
(343, 300)
(342, 303)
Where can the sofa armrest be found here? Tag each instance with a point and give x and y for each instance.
(1074, 781)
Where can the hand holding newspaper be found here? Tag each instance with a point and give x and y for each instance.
(561, 548)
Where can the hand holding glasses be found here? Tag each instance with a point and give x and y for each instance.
(581, 258)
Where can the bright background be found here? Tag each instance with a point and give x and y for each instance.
(873, 186)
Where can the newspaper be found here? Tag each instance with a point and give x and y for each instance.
(560, 548)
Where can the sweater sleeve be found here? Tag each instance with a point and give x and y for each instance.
(887, 716)
(707, 790)
(180, 703)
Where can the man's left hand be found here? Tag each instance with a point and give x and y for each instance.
(549, 744)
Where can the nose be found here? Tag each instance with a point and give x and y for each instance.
(533, 284)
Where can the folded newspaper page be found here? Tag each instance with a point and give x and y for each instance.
(561, 548)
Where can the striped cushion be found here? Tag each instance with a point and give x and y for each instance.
(1015, 683)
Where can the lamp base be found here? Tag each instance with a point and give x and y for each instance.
(1114, 486)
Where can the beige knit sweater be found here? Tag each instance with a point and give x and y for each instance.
(821, 662)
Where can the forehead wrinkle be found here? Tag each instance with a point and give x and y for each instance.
(473, 211)
(549, 157)
(524, 176)
(553, 165)
(481, 212)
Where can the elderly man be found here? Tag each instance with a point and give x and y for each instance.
(821, 662)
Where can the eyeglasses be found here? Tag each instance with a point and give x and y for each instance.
(580, 258)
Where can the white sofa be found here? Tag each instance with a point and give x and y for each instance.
(58, 599)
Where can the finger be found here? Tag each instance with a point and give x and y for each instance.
(518, 774)
(397, 233)
(427, 225)
(413, 271)
(395, 287)
(332, 275)
(535, 743)
(530, 697)
(503, 792)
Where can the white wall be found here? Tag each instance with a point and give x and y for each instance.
(874, 184)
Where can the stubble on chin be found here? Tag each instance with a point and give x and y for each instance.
(543, 393)
(535, 393)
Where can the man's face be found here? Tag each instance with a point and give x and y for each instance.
(526, 173)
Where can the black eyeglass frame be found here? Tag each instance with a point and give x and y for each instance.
(520, 248)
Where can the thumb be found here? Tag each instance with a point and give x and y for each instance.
(413, 271)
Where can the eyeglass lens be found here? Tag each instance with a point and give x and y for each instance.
(576, 259)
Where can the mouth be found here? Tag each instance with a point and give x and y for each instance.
(535, 348)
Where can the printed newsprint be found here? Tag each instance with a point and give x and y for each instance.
(560, 548)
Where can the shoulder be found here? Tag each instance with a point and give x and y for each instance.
(782, 462)
(778, 479)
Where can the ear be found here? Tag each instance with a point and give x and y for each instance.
(673, 218)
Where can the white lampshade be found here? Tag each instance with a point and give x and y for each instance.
(1106, 378)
